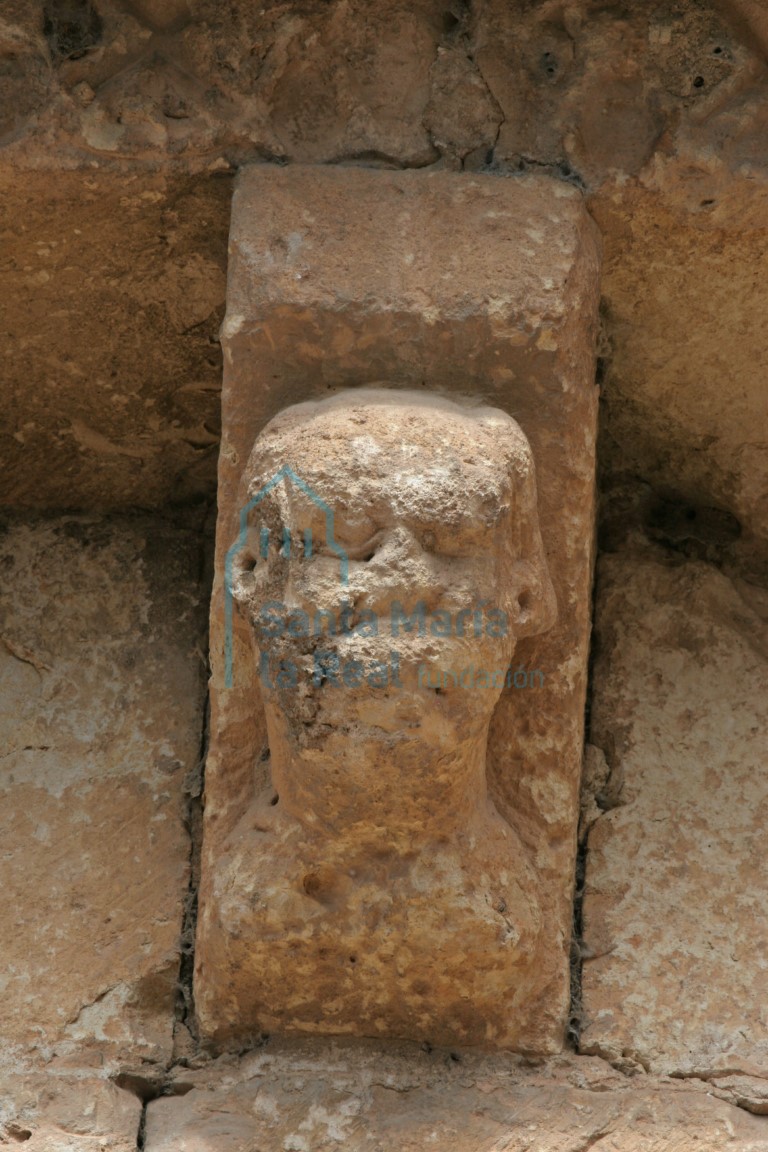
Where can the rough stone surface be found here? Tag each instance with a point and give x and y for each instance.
(309, 312)
(675, 976)
(113, 291)
(101, 689)
(372, 887)
(688, 416)
(67, 1114)
(657, 110)
(311, 1098)
(591, 89)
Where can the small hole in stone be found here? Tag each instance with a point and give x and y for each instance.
(707, 203)
(524, 601)
(275, 800)
(71, 27)
(17, 1133)
(717, 51)
(698, 82)
(311, 883)
(549, 63)
(353, 959)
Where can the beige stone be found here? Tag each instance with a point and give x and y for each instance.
(587, 93)
(67, 1114)
(112, 295)
(373, 887)
(344, 278)
(308, 1097)
(101, 688)
(112, 277)
(658, 112)
(688, 416)
(674, 976)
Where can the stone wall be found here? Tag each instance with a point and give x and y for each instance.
(121, 127)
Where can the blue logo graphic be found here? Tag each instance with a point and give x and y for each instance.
(285, 473)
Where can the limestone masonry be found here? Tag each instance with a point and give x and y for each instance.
(383, 575)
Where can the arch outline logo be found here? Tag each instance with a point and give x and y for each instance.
(284, 474)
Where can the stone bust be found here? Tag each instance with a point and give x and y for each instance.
(393, 559)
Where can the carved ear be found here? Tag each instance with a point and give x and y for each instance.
(246, 566)
(243, 577)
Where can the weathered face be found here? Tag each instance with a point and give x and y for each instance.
(405, 534)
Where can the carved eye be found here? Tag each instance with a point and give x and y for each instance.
(367, 551)
(362, 552)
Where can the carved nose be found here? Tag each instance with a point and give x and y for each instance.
(399, 567)
(400, 540)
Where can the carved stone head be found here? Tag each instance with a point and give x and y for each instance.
(393, 559)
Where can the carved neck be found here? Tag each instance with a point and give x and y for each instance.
(394, 782)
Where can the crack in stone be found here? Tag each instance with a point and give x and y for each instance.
(141, 1134)
(193, 822)
(594, 1139)
(91, 1004)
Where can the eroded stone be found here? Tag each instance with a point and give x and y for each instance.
(673, 977)
(113, 292)
(67, 1114)
(309, 311)
(101, 696)
(310, 1097)
(372, 887)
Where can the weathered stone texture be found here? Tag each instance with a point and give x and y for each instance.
(373, 888)
(319, 1098)
(657, 110)
(689, 415)
(590, 90)
(116, 135)
(674, 976)
(67, 1114)
(112, 295)
(341, 278)
(101, 688)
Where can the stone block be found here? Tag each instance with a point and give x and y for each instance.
(341, 278)
(67, 1113)
(311, 1097)
(674, 978)
(113, 291)
(101, 687)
